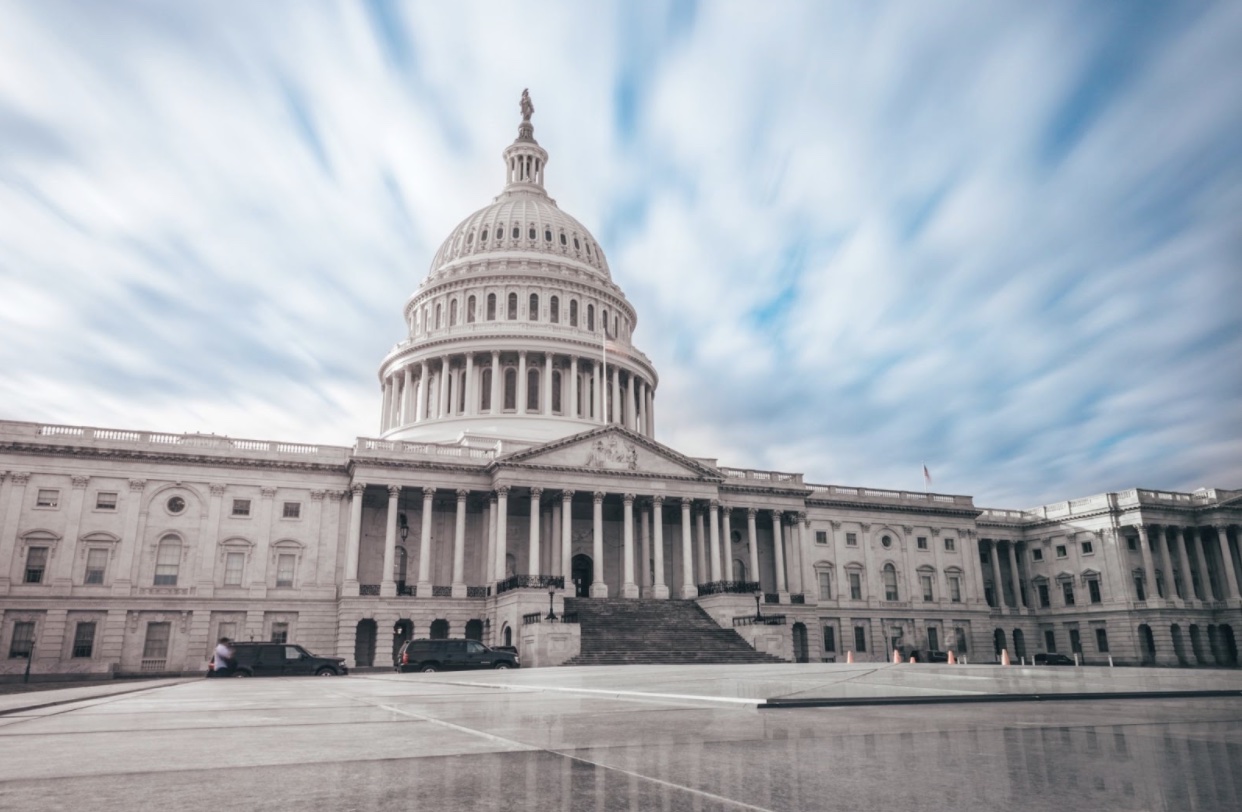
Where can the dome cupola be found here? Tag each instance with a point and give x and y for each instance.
(518, 335)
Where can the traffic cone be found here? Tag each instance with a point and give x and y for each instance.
(952, 659)
(1004, 656)
(913, 659)
(896, 657)
(849, 657)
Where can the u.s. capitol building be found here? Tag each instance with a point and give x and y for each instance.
(517, 457)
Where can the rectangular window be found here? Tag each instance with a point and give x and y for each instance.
(105, 500)
(1037, 554)
(96, 565)
(1050, 641)
(1044, 602)
(156, 645)
(1061, 552)
(1132, 542)
(821, 536)
(284, 569)
(830, 639)
(1067, 589)
(280, 633)
(23, 639)
(983, 557)
(855, 586)
(960, 634)
(1093, 588)
(950, 545)
(955, 589)
(1140, 593)
(47, 498)
(293, 510)
(851, 539)
(1101, 641)
(241, 507)
(167, 564)
(825, 585)
(234, 565)
(933, 638)
(1087, 548)
(1075, 641)
(84, 640)
(860, 639)
(926, 581)
(922, 542)
(36, 564)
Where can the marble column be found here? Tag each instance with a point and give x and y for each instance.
(644, 561)
(599, 589)
(420, 397)
(998, 584)
(702, 573)
(61, 572)
(642, 407)
(631, 418)
(458, 587)
(521, 382)
(425, 581)
(778, 546)
(651, 413)
(972, 545)
(1196, 564)
(502, 531)
(471, 385)
(1226, 560)
(714, 525)
(575, 404)
(1015, 581)
(497, 404)
(443, 410)
(547, 385)
(489, 560)
(1179, 543)
(355, 537)
(752, 544)
(629, 589)
(209, 543)
(597, 391)
(532, 546)
(407, 389)
(388, 586)
(688, 590)
(567, 521)
(659, 589)
(616, 395)
(1149, 568)
(726, 533)
(386, 406)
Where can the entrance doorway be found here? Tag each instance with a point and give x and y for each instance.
(998, 641)
(1228, 645)
(364, 643)
(1147, 645)
(801, 654)
(439, 629)
(1019, 644)
(582, 571)
(474, 630)
(403, 630)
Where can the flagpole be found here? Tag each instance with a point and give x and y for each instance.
(603, 345)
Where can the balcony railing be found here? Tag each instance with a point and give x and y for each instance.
(530, 582)
(762, 620)
(729, 587)
(478, 591)
(441, 591)
(540, 617)
(369, 590)
(771, 597)
(797, 598)
(153, 665)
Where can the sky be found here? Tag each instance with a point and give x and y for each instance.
(1002, 240)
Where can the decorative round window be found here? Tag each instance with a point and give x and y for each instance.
(483, 236)
(887, 541)
(176, 504)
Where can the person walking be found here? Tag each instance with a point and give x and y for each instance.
(223, 663)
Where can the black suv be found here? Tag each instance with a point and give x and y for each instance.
(452, 655)
(283, 660)
(1053, 659)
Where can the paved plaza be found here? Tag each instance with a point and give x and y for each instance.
(631, 738)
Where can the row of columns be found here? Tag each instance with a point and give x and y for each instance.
(407, 392)
(1199, 555)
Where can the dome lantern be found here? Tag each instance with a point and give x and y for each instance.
(524, 158)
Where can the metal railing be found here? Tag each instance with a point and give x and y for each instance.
(762, 620)
(441, 591)
(153, 665)
(539, 617)
(369, 590)
(797, 598)
(531, 582)
(729, 587)
(771, 597)
(478, 591)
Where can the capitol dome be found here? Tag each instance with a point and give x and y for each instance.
(518, 335)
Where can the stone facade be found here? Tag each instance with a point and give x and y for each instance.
(517, 457)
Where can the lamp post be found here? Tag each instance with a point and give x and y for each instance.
(551, 615)
(758, 614)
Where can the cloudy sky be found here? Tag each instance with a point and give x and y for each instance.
(1001, 239)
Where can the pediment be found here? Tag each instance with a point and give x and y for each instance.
(611, 449)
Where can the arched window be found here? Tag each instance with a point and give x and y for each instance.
(532, 312)
(512, 307)
(556, 391)
(573, 312)
(531, 233)
(616, 325)
(491, 307)
(461, 392)
(485, 396)
(449, 381)
(418, 321)
(591, 317)
(889, 573)
(167, 561)
(823, 576)
(603, 318)
(439, 315)
(517, 231)
(470, 310)
(554, 307)
(453, 313)
(532, 390)
(510, 389)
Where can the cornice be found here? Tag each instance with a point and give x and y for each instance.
(898, 508)
(140, 455)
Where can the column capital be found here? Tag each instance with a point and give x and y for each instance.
(79, 482)
(751, 512)
(686, 502)
(714, 504)
(136, 485)
(267, 493)
(462, 493)
(503, 491)
(598, 496)
(805, 518)
(628, 498)
(567, 495)
(536, 494)
(394, 491)
(217, 488)
(356, 488)
(316, 496)
(658, 500)
(836, 525)
(1142, 529)
(428, 492)
(336, 494)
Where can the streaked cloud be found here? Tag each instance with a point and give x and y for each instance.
(1001, 240)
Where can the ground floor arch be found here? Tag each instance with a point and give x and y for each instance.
(474, 630)
(1147, 645)
(402, 630)
(439, 629)
(582, 572)
(998, 641)
(364, 642)
(1019, 643)
(801, 652)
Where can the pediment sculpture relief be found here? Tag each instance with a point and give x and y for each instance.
(612, 453)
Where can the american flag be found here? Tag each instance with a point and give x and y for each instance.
(926, 476)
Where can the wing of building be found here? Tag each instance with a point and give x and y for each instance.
(516, 476)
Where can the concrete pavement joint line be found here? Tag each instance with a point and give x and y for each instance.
(117, 695)
(535, 748)
(615, 694)
(775, 704)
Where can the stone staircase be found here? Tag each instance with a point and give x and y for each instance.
(622, 631)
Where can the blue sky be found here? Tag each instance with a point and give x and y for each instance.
(999, 238)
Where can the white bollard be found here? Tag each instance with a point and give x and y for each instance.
(1110, 661)
(1076, 663)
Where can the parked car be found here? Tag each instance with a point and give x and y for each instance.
(1053, 659)
(283, 660)
(923, 655)
(452, 655)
